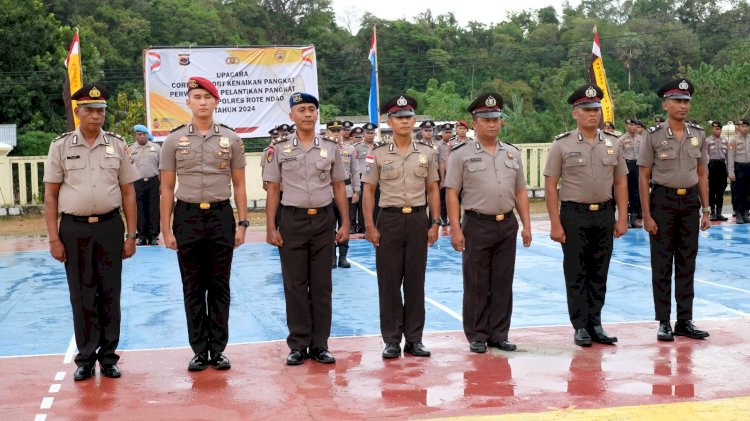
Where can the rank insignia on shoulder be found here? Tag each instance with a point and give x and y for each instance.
(454, 147)
(654, 128)
(697, 126)
(226, 127)
(177, 128)
(561, 135)
(61, 136)
(378, 144)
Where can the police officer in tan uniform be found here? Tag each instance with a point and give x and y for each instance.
(738, 163)
(311, 172)
(630, 143)
(427, 132)
(145, 155)
(87, 177)
(356, 137)
(717, 171)
(406, 171)
(488, 174)
(352, 183)
(443, 148)
(206, 158)
(363, 149)
(586, 163)
(674, 156)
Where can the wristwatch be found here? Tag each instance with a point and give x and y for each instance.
(129, 235)
(243, 223)
(704, 210)
(434, 222)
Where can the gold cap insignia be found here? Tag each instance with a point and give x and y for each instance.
(490, 101)
(94, 93)
(590, 92)
(192, 84)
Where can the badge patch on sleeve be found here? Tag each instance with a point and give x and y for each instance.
(271, 153)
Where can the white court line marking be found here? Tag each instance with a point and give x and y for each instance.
(71, 350)
(59, 376)
(428, 299)
(649, 269)
(54, 388)
(40, 417)
(46, 403)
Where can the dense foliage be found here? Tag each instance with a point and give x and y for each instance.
(534, 58)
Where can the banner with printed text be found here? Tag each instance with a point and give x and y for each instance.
(254, 85)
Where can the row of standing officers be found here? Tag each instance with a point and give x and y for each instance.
(89, 176)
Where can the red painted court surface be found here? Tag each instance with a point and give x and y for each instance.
(548, 377)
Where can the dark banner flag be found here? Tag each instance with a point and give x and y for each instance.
(73, 81)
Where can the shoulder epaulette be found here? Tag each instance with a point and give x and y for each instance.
(61, 136)
(279, 140)
(329, 139)
(512, 145)
(226, 127)
(376, 145)
(654, 128)
(177, 128)
(454, 147)
(561, 135)
(422, 142)
(610, 134)
(695, 126)
(115, 135)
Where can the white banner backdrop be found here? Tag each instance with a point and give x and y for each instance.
(254, 85)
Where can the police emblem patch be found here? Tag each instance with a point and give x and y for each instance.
(490, 101)
(94, 93)
(401, 102)
(683, 85)
(224, 142)
(590, 92)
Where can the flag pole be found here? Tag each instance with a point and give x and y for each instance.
(377, 80)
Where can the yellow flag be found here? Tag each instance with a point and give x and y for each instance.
(599, 77)
(74, 81)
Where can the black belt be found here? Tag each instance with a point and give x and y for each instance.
(677, 191)
(499, 217)
(348, 182)
(631, 161)
(205, 205)
(587, 207)
(147, 179)
(405, 209)
(717, 160)
(93, 219)
(741, 164)
(307, 211)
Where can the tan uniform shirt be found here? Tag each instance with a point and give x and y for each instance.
(673, 162)
(717, 148)
(305, 175)
(739, 152)
(145, 158)
(586, 171)
(90, 175)
(403, 179)
(351, 169)
(488, 183)
(362, 148)
(630, 145)
(203, 164)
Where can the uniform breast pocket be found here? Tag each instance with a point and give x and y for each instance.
(421, 172)
(694, 152)
(667, 159)
(574, 161)
(289, 165)
(512, 164)
(388, 173)
(476, 166)
(112, 163)
(184, 155)
(323, 165)
(609, 160)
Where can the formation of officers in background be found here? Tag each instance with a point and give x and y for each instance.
(398, 192)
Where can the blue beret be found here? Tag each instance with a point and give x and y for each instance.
(141, 128)
(302, 98)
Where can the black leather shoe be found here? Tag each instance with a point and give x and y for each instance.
(478, 347)
(111, 370)
(322, 356)
(721, 217)
(154, 241)
(220, 362)
(687, 328)
(392, 350)
(417, 349)
(142, 242)
(83, 372)
(598, 335)
(665, 332)
(296, 357)
(503, 345)
(582, 337)
(199, 362)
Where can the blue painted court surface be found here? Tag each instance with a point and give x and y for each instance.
(35, 315)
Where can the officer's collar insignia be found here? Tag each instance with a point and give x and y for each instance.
(490, 101)
(94, 93)
(590, 92)
(683, 85)
(191, 129)
(401, 102)
(390, 147)
(580, 137)
(317, 142)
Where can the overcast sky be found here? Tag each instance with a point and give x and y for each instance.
(465, 11)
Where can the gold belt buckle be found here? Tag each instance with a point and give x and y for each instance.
(499, 217)
(406, 209)
(205, 205)
(681, 192)
(93, 219)
(594, 207)
(312, 211)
